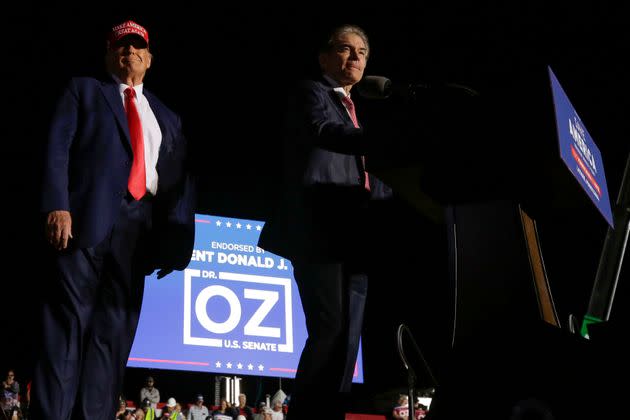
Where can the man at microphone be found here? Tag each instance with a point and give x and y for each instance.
(322, 224)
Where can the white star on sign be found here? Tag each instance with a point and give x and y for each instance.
(248, 226)
(229, 365)
(258, 227)
(218, 223)
(218, 364)
(250, 367)
(260, 367)
(240, 366)
(228, 224)
(238, 225)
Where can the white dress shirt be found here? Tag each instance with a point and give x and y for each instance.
(151, 133)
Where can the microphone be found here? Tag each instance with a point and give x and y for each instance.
(375, 87)
(379, 87)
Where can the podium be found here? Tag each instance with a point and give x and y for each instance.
(498, 270)
(496, 264)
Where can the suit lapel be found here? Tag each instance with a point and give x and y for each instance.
(167, 140)
(343, 113)
(341, 110)
(336, 100)
(112, 95)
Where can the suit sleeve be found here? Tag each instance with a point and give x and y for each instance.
(55, 194)
(323, 129)
(180, 229)
(175, 225)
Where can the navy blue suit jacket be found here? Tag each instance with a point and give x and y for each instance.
(87, 166)
(319, 214)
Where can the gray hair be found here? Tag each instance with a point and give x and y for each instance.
(336, 33)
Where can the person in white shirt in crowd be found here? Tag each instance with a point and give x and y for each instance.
(150, 391)
(277, 413)
(198, 411)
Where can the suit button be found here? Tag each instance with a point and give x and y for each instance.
(127, 163)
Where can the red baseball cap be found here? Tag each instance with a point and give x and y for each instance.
(128, 28)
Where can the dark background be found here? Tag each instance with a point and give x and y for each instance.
(226, 71)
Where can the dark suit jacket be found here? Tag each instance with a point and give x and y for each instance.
(87, 166)
(321, 213)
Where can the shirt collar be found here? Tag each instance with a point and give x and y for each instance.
(122, 87)
(341, 92)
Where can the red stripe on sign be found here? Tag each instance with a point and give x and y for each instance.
(173, 362)
(586, 171)
(283, 369)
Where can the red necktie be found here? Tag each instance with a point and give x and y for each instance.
(350, 106)
(137, 183)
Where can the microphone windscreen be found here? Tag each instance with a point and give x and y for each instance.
(374, 87)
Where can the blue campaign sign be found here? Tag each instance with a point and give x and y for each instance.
(234, 310)
(579, 152)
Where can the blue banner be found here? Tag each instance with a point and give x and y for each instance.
(579, 152)
(234, 310)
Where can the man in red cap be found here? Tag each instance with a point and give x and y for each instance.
(118, 204)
